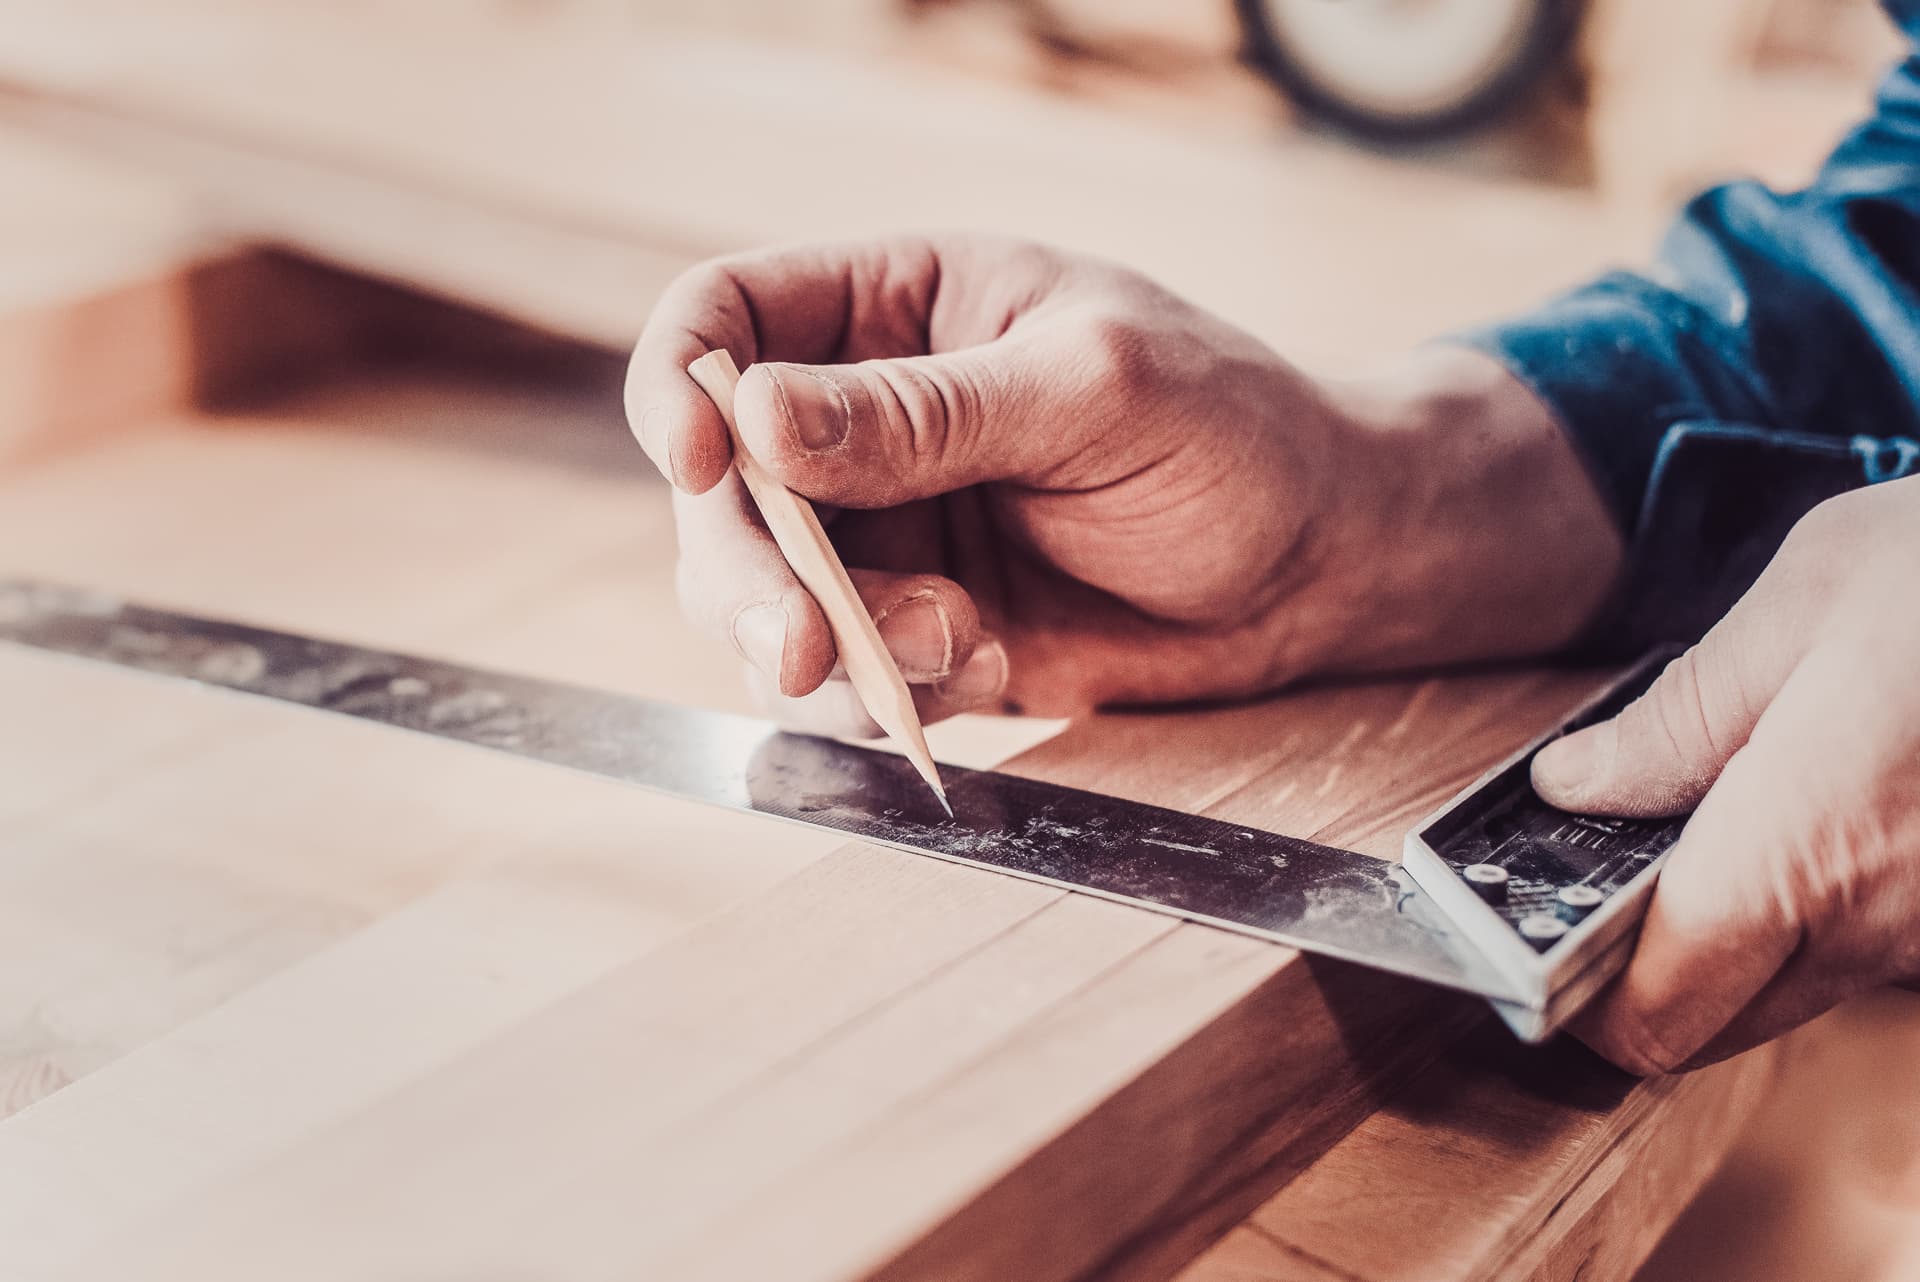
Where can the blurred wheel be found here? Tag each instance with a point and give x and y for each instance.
(1407, 68)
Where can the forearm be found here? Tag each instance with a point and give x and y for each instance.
(1471, 515)
(1763, 365)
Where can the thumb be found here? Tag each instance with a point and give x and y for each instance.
(1666, 748)
(885, 432)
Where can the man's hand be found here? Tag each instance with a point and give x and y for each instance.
(1794, 726)
(1061, 486)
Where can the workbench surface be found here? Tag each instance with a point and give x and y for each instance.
(307, 998)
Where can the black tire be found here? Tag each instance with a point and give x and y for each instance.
(1541, 48)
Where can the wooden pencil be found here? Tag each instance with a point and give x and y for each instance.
(803, 541)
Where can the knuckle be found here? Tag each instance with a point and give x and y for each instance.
(708, 301)
(1021, 256)
(1028, 270)
(700, 284)
(934, 403)
(1124, 359)
(997, 256)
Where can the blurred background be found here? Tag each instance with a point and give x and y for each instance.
(214, 207)
(1295, 164)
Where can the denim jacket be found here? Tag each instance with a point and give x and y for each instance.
(1770, 359)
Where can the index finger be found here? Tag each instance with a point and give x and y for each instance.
(804, 304)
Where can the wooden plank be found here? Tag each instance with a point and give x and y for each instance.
(1497, 1166)
(1244, 1080)
(177, 981)
(119, 517)
(584, 281)
(1825, 1181)
(1249, 1255)
(124, 297)
(813, 996)
(644, 1070)
(220, 843)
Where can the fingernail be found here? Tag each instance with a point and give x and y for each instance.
(760, 635)
(656, 438)
(983, 677)
(919, 636)
(818, 412)
(1569, 768)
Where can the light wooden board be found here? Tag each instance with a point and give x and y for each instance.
(813, 1058)
(404, 1006)
(168, 850)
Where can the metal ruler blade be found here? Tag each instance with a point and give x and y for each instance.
(1294, 892)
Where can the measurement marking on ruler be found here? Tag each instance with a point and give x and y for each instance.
(1180, 845)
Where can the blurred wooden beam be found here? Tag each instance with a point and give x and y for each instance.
(94, 323)
(521, 162)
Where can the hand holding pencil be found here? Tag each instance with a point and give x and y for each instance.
(803, 541)
(1058, 486)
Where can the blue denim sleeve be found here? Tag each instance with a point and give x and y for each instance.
(1769, 359)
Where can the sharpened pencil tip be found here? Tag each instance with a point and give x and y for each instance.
(939, 790)
(931, 773)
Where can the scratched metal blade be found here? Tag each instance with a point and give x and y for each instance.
(1290, 891)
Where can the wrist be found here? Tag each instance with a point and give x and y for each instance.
(1465, 514)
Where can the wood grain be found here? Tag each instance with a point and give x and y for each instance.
(857, 1065)
(1551, 1166)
